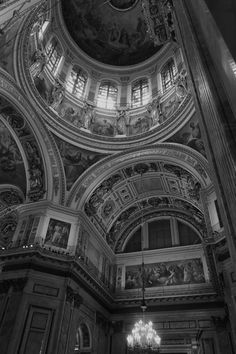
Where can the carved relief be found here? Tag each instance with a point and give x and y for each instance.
(97, 197)
(8, 225)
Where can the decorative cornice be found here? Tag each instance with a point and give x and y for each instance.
(45, 261)
(65, 266)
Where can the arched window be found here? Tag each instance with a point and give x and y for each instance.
(107, 95)
(168, 74)
(77, 81)
(83, 340)
(140, 93)
(159, 234)
(54, 55)
(187, 236)
(134, 243)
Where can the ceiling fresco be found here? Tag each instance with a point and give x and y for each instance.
(120, 199)
(190, 135)
(12, 170)
(75, 160)
(113, 32)
(12, 166)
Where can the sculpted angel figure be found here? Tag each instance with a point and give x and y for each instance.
(88, 115)
(122, 122)
(57, 95)
(154, 111)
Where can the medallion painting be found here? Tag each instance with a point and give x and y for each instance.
(112, 32)
(57, 233)
(188, 271)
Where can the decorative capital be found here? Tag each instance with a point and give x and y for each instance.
(73, 297)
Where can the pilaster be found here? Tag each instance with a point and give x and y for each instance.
(215, 111)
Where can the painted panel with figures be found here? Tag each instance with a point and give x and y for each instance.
(179, 272)
(58, 233)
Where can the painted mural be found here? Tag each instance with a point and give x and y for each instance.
(7, 40)
(180, 272)
(12, 169)
(57, 233)
(75, 160)
(107, 34)
(10, 156)
(191, 136)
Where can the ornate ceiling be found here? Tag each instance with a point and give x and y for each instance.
(109, 182)
(101, 181)
(112, 32)
(117, 191)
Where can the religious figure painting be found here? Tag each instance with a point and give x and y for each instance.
(181, 272)
(11, 163)
(113, 32)
(190, 135)
(75, 160)
(57, 233)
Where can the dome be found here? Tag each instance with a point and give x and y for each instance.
(104, 107)
(112, 32)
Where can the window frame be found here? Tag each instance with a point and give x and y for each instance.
(168, 74)
(54, 56)
(79, 346)
(140, 85)
(81, 77)
(104, 102)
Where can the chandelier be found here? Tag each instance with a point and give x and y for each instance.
(143, 338)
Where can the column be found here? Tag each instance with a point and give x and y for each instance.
(144, 236)
(223, 335)
(94, 83)
(123, 94)
(224, 13)
(72, 301)
(215, 106)
(174, 231)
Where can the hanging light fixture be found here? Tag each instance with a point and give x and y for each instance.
(143, 338)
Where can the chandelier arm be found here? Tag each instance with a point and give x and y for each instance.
(143, 338)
